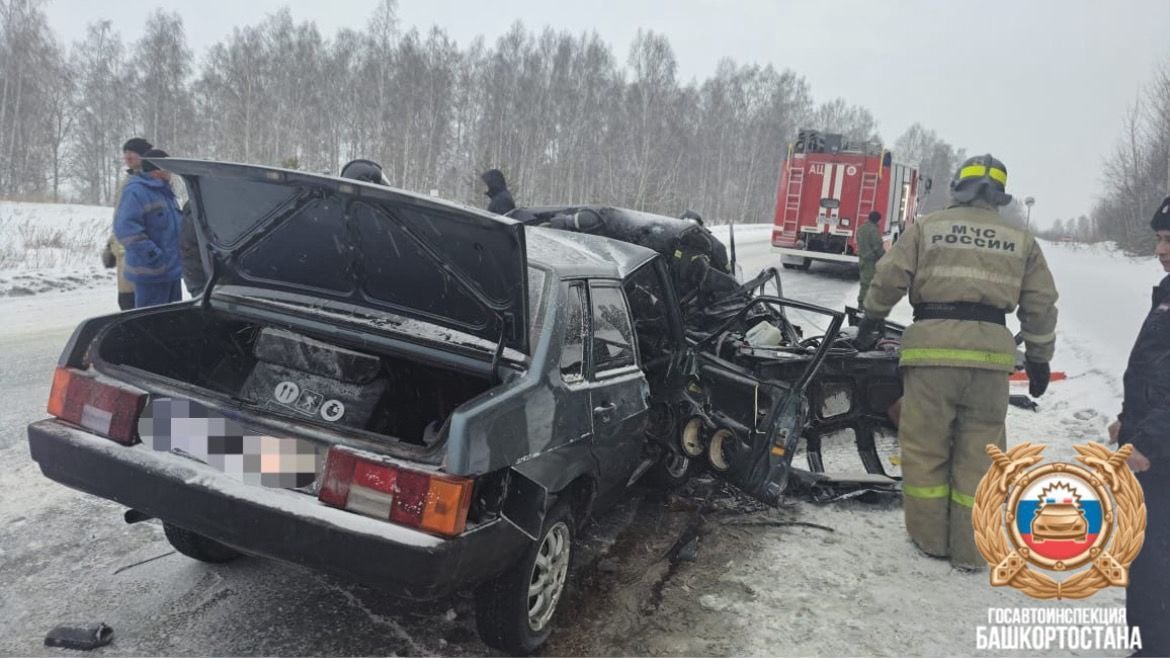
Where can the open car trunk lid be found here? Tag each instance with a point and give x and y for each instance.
(362, 244)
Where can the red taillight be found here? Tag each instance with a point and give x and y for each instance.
(411, 498)
(336, 478)
(432, 502)
(105, 408)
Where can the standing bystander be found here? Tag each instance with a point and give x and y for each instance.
(1144, 423)
(114, 254)
(147, 223)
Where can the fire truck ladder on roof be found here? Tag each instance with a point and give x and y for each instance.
(792, 200)
(867, 197)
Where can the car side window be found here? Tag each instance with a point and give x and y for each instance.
(573, 347)
(613, 345)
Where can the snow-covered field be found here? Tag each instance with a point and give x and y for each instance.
(47, 247)
(759, 585)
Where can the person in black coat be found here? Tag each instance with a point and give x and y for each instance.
(497, 191)
(1144, 423)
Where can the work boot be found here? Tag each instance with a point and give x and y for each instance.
(925, 553)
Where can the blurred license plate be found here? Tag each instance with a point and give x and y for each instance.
(190, 429)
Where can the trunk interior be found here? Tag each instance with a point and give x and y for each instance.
(290, 374)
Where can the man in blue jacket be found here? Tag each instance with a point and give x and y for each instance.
(1144, 423)
(147, 223)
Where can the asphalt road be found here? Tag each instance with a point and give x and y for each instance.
(67, 557)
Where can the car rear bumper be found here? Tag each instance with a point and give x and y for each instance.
(276, 523)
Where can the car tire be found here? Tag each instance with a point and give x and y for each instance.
(506, 616)
(804, 265)
(197, 546)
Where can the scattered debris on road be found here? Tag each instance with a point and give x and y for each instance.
(82, 637)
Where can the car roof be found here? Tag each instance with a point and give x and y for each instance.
(659, 233)
(581, 255)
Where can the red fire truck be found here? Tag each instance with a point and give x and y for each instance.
(828, 186)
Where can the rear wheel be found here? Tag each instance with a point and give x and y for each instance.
(804, 264)
(197, 546)
(514, 611)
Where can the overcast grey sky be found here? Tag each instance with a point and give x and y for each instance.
(1043, 85)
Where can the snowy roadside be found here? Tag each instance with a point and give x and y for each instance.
(49, 247)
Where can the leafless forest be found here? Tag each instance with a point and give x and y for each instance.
(565, 116)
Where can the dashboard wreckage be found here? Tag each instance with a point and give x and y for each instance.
(761, 390)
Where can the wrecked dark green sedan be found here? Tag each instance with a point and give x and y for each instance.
(405, 392)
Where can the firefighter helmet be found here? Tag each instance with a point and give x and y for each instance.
(981, 176)
(364, 170)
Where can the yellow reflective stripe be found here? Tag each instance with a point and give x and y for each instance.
(971, 273)
(971, 356)
(978, 171)
(962, 498)
(939, 491)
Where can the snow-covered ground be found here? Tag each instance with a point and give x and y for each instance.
(46, 247)
(758, 586)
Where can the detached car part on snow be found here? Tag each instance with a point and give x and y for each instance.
(401, 391)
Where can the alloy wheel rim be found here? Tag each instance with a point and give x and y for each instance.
(548, 576)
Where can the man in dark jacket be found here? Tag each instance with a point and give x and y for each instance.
(497, 190)
(193, 275)
(1144, 423)
(147, 223)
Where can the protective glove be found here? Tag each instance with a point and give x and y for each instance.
(869, 332)
(1038, 374)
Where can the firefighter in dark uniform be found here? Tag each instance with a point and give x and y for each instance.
(870, 249)
(1144, 423)
(965, 268)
